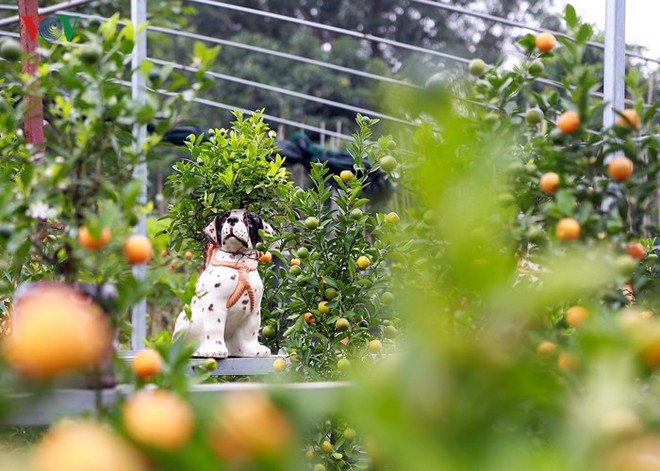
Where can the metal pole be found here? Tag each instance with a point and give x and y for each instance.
(33, 117)
(138, 17)
(615, 59)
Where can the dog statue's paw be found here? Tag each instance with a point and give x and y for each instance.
(211, 350)
(262, 351)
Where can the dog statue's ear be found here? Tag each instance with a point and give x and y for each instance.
(210, 232)
(254, 224)
(214, 230)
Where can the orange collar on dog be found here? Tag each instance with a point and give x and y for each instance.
(243, 285)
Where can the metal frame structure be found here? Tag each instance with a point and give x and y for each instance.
(139, 90)
(614, 68)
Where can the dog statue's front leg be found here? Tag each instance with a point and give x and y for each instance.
(245, 342)
(213, 344)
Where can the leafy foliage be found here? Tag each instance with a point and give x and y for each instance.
(236, 168)
(329, 277)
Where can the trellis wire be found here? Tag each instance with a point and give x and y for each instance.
(284, 55)
(267, 117)
(284, 91)
(334, 29)
(444, 6)
(302, 59)
(517, 24)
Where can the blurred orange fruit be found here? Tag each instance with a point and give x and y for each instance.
(636, 250)
(279, 365)
(545, 42)
(188, 255)
(248, 424)
(568, 122)
(629, 118)
(639, 452)
(620, 168)
(55, 330)
(649, 341)
(137, 249)
(375, 346)
(576, 316)
(323, 307)
(546, 349)
(88, 241)
(147, 364)
(309, 318)
(159, 419)
(567, 361)
(266, 257)
(568, 229)
(295, 262)
(84, 445)
(549, 182)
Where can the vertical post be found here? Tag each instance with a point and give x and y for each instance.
(323, 135)
(615, 59)
(138, 87)
(33, 118)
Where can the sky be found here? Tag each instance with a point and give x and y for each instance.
(641, 20)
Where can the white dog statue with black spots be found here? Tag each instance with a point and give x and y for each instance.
(226, 309)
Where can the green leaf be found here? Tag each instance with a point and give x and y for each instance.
(109, 27)
(26, 176)
(527, 42)
(584, 33)
(570, 16)
(565, 202)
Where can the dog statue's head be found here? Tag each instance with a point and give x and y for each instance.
(236, 231)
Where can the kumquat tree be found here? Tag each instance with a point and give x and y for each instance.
(469, 282)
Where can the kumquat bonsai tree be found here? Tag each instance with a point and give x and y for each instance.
(499, 314)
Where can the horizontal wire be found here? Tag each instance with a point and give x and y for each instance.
(283, 55)
(294, 57)
(334, 29)
(267, 117)
(275, 119)
(444, 6)
(349, 33)
(284, 91)
(517, 24)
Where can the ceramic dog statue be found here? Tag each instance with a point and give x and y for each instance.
(226, 309)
